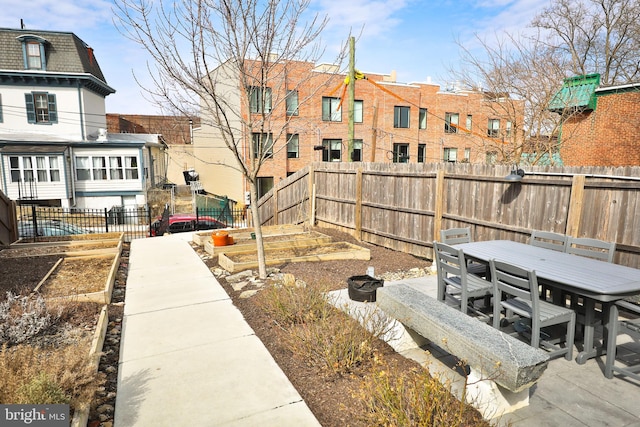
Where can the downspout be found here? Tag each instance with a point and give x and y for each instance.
(81, 111)
(72, 174)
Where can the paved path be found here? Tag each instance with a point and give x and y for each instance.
(187, 356)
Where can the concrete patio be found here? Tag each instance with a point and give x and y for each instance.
(567, 395)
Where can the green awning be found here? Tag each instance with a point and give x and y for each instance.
(577, 93)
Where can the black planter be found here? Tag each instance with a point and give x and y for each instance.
(363, 288)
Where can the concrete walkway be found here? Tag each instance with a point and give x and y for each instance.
(187, 356)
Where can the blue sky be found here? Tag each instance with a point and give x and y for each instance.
(414, 38)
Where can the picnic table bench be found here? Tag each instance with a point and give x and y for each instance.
(493, 357)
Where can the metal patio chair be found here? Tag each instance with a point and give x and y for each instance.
(522, 301)
(455, 236)
(456, 283)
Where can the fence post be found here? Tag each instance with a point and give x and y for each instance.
(106, 220)
(275, 205)
(438, 204)
(358, 208)
(576, 200)
(312, 196)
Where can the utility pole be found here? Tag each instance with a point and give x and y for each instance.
(374, 132)
(351, 88)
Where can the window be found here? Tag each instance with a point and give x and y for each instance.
(469, 123)
(422, 151)
(83, 168)
(492, 157)
(22, 169)
(356, 155)
(54, 169)
(493, 128)
(450, 155)
(131, 167)
(358, 107)
(33, 52)
(27, 169)
(115, 168)
(262, 145)
(99, 168)
(292, 103)
(422, 118)
(507, 128)
(95, 168)
(401, 117)
(41, 169)
(467, 155)
(41, 107)
(264, 184)
(400, 153)
(34, 57)
(330, 109)
(451, 122)
(293, 148)
(332, 150)
(259, 99)
(14, 164)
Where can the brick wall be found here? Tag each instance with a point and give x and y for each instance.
(312, 130)
(174, 129)
(607, 136)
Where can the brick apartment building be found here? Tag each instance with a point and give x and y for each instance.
(417, 123)
(602, 127)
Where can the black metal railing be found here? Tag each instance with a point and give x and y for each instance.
(38, 223)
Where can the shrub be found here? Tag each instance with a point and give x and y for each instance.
(412, 398)
(55, 375)
(291, 305)
(42, 389)
(23, 317)
(338, 344)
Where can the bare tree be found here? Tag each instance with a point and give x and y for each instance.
(598, 36)
(223, 58)
(521, 75)
(570, 37)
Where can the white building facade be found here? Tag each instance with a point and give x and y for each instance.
(54, 149)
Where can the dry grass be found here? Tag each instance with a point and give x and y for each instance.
(47, 376)
(325, 337)
(78, 276)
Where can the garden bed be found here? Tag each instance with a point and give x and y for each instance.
(64, 248)
(86, 278)
(244, 234)
(282, 241)
(245, 260)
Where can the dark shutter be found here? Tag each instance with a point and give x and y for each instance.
(53, 111)
(31, 109)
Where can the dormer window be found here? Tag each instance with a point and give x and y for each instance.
(33, 49)
(34, 58)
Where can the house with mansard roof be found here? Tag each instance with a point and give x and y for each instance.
(54, 147)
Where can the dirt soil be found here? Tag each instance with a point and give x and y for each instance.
(330, 399)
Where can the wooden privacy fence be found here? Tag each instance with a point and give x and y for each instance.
(404, 206)
(8, 229)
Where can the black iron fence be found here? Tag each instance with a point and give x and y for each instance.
(39, 223)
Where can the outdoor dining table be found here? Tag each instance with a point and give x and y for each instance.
(594, 280)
